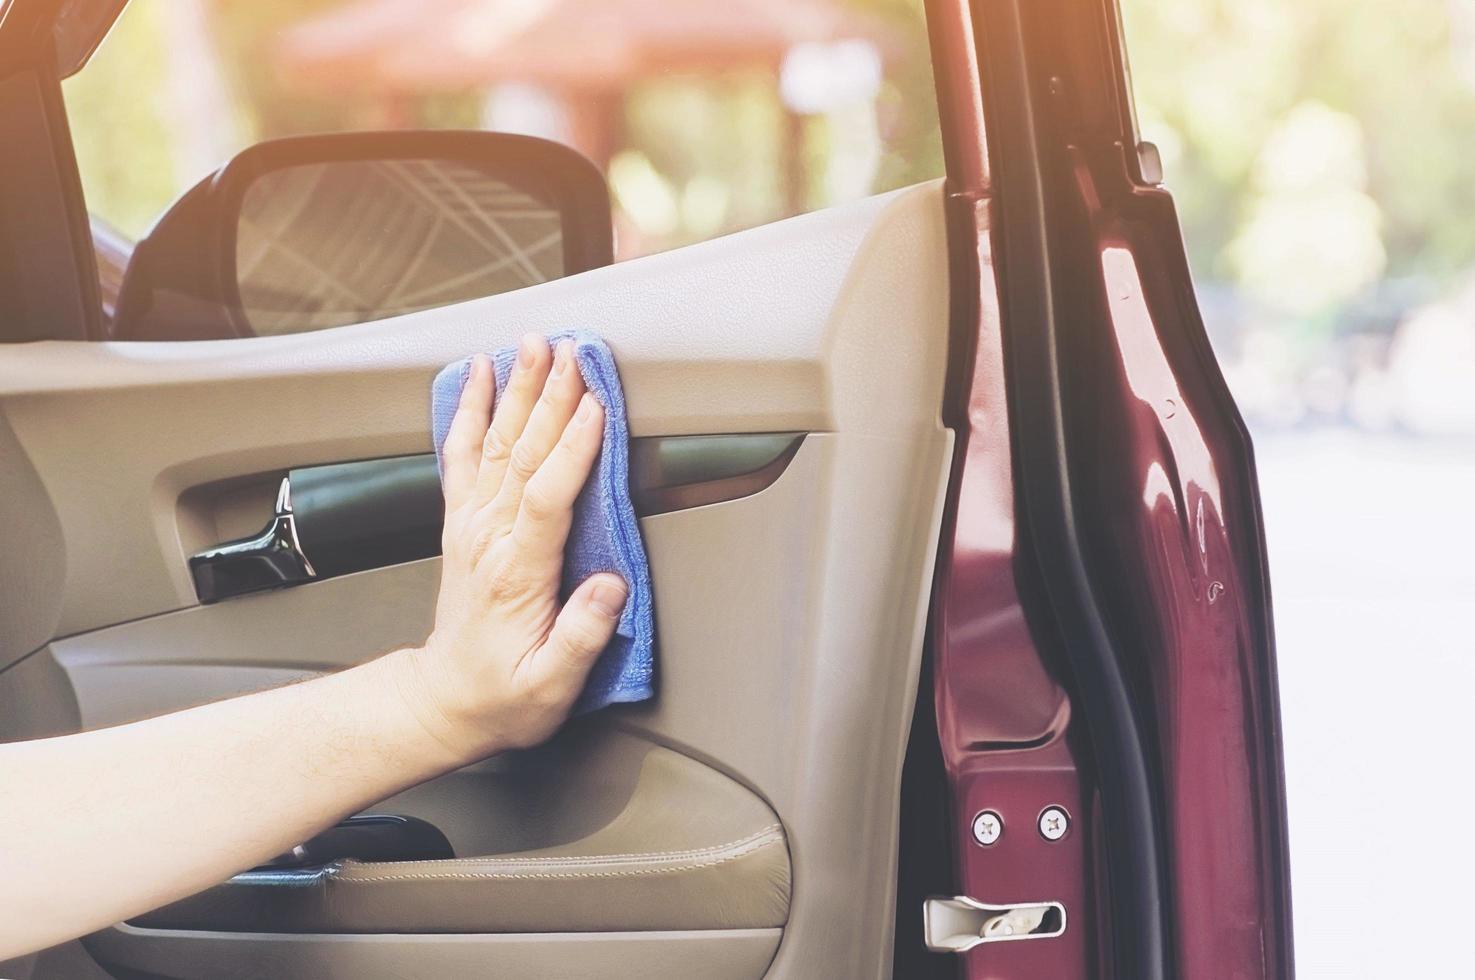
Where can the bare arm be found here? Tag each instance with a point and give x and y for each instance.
(100, 826)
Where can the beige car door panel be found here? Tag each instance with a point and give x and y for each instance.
(598, 831)
(715, 954)
(746, 818)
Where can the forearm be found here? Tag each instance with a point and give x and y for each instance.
(177, 803)
(98, 827)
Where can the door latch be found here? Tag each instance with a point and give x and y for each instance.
(956, 925)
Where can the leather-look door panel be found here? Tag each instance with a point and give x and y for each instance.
(597, 832)
(789, 620)
(727, 954)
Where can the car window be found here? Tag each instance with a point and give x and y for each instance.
(707, 117)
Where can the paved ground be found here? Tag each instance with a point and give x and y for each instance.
(1372, 553)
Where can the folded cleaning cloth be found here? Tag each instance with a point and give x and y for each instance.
(605, 536)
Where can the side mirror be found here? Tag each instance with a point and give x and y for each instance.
(320, 231)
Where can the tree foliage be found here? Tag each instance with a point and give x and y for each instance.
(1295, 126)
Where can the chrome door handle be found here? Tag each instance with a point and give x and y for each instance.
(268, 560)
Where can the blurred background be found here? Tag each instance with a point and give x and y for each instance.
(1322, 155)
(707, 117)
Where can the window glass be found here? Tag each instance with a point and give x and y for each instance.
(707, 115)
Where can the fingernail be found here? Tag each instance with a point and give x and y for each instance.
(586, 408)
(608, 597)
(478, 367)
(560, 357)
(527, 351)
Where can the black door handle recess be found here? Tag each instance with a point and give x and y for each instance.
(331, 520)
(355, 516)
(369, 837)
(348, 517)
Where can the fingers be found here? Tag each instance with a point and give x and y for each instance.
(462, 450)
(583, 629)
(514, 408)
(554, 408)
(546, 512)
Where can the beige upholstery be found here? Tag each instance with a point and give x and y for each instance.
(683, 848)
(789, 622)
(710, 954)
(740, 883)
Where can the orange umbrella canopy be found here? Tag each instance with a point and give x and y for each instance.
(451, 45)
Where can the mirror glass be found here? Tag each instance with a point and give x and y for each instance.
(327, 244)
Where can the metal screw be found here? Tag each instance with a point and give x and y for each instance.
(987, 827)
(1054, 822)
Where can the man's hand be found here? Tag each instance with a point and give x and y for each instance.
(505, 663)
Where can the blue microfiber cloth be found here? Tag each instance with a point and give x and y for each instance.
(605, 536)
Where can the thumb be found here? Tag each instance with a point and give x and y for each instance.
(585, 625)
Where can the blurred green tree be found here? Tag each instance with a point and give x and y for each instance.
(698, 155)
(1223, 86)
(122, 141)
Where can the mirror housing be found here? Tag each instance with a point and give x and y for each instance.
(185, 280)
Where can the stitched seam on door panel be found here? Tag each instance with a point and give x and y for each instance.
(695, 852)
(645, 855)
(741, 851)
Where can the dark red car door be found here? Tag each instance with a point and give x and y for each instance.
(1104, 687)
